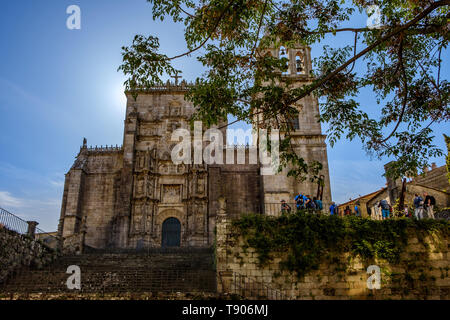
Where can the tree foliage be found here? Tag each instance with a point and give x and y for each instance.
(401, 65)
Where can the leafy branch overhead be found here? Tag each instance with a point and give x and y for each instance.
(399, 62)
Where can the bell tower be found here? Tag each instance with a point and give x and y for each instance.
(306, 135)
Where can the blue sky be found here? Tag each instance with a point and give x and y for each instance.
(58, 86)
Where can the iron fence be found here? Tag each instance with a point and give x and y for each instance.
(277, 209)
(14, 223)
(251, 289)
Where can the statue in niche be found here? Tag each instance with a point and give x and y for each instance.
(148, 220)
(147, 162)
(140, 186)
(137, 223)
(200, 185)
(199, 222)
(141, 159)
(150, 161)
(150, 186)
(137, 216)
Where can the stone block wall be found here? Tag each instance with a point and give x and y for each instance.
(436, 178)
(422, 274)
(19, 251)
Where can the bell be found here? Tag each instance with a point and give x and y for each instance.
(299, 65)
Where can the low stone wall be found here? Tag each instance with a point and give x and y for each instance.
(422, 274)
(18, 251)
(73, 244)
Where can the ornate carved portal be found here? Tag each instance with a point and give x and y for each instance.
(162, 189)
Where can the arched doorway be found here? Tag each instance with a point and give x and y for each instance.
(171, 233)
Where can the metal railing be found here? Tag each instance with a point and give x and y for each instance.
(249, 288)
(14, 223)
(276, 209)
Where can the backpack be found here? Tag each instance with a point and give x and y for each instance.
(432, 201)
(384, 205)
(319, 204)
(417, 202)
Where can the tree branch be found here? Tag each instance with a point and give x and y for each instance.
(396, 31)
(354, 53)
(405, 98)
(185, 12)
(208, 37)
(259, 27)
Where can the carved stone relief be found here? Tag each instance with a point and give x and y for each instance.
(139, 187)
(201, 185)
(171, 194)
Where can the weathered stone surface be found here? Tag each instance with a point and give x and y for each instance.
(19, 251)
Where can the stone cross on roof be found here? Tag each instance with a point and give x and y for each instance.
(176, 77)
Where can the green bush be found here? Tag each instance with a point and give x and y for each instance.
(308, 239)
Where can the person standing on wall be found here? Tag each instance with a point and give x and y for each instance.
(429, 204)
(300, 201)
(309, 203)
(357, 213)
(418, 205)
(385, 209)
(333, 209)
(285, 208)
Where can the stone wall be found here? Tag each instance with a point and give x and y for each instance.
(18, 251)
(422, 274)
(436, 178)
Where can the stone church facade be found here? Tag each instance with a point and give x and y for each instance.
(134, 196)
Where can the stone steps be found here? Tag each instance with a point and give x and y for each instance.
(118, 296)
(152, 272)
